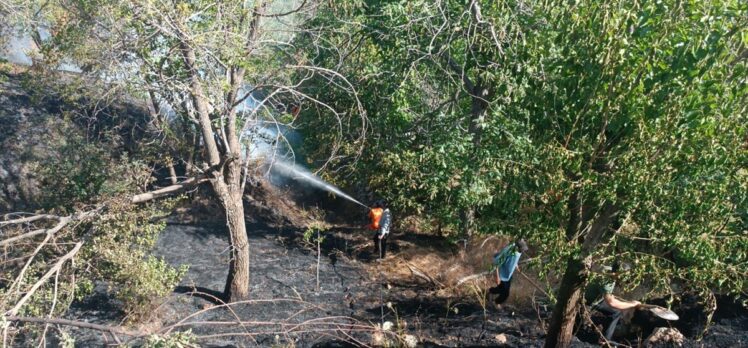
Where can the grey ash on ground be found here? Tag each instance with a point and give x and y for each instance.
(347, 307)
(284, 289)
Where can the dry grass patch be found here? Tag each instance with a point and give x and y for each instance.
(447, 271)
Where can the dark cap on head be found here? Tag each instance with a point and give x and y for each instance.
(620, 267)
(521, 245)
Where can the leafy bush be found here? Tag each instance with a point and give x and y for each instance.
(119, 252)
(77, 173)
(182, 339)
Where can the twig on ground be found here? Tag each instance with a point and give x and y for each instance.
(472, 277)
(81, 324)
(417, 272)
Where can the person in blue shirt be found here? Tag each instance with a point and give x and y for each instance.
(505, 263)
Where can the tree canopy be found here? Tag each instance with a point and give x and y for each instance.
(601, 131)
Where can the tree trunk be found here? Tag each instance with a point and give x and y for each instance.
(478, 109)
(569, 293)
(565, 312)
(468, 222)
(172, 172)
(479, 106)
(225, 174)
(237, 281)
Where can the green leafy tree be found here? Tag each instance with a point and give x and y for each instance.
(435, 90)
(209, 72)
(611, 130)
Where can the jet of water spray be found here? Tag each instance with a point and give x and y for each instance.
(298, 173)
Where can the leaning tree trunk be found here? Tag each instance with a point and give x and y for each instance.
(577, 267)
(565, 311)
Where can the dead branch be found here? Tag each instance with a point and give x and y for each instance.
(472, 277)
(44, 278)
(81, 324)
(165, 191)
(283, 14)
(63, 221)
(534, 284)
(417, 272)
(28, 219)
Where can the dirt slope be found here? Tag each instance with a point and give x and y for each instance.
(357, 293)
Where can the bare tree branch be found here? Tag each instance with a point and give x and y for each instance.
(81, 324)
(62, 222)
(28, 219)
(168, 190)
(43, 279)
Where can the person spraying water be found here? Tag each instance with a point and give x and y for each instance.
(381, 220)
(379, 215)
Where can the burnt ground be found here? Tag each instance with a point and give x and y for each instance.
(287, 310)
(356, 292)
(347, 306)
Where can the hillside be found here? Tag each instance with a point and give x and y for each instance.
(224, 173)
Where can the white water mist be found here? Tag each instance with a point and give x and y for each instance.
(295, 172)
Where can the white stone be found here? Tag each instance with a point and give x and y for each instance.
(410, 341)
(387, 326)
(663, 335)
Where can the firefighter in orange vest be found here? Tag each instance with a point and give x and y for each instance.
(381, 219)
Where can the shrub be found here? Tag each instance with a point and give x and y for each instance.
(181, 339)
(119, 253)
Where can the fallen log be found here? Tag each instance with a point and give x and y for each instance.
(165, 191)
(417, 272)
(472, 277)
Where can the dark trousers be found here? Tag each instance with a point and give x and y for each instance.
(501, 291)
(380, 245)
(612, 313)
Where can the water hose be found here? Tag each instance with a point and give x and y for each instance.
(381, 286)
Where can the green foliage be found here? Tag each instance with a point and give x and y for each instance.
(76, 173)
(66, 341)
(313, 233)
(179, 339)
(638, 105)
(119, 253)
(421, 152)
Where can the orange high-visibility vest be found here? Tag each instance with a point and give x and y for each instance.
(375, 214)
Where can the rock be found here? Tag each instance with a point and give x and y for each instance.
(377, 338)
(665, 337)
(501, 339)
(410, 341)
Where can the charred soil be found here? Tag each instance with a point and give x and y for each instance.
(412, 292)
